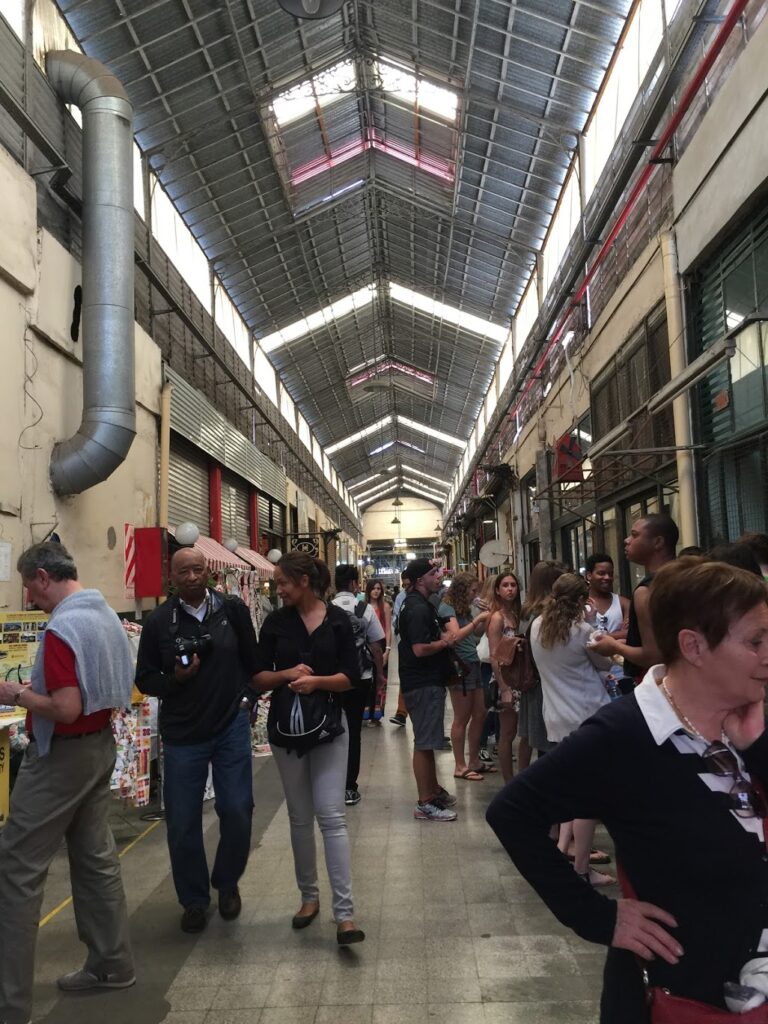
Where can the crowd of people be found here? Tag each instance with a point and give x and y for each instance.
(645, 714)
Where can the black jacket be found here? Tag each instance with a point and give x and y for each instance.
(677, 841)
(196, 710)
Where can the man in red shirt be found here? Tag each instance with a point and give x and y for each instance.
(84, 669)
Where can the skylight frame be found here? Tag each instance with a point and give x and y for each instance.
(359, 435)
(424, 95)
(342, 78)
(323, 317)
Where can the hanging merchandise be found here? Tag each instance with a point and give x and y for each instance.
(133, 741)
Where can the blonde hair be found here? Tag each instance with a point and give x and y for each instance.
(458, 594)
(563, 607)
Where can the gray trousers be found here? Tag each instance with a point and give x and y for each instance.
(314, 788)
(62, 796)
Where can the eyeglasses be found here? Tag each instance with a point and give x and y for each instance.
(748, 801)
(601, 621)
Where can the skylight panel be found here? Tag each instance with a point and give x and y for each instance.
(413, 447)
(358, 435)
(319, 91)
(324, 316)
(418, 92)
(364, 495)
(378, 497)
(439, 435)
(422, 488)
(439, 310)
(361, 483)
(381, 448)
(426, 476)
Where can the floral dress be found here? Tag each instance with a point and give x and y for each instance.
(514, 703)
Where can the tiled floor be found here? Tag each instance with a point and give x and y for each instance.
(453, 932)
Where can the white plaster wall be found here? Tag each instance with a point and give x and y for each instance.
(640, 291)
(41, 397)
(417, 517)
(726, 162)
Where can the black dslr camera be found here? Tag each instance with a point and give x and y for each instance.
(187, 646)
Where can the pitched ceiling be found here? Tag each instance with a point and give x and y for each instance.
(301, 197)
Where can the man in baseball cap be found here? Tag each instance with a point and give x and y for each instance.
(424, 671)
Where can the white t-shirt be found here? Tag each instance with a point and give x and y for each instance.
(572, 686)
(373, 631)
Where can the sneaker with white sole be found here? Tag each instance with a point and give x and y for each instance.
(83, 980)
(432, 811)
(352, 797)
(485, 756)
(444, 799)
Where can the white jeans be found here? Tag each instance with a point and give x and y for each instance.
(314, 788)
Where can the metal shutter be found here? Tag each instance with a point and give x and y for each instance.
(188, 485)
(278, 519)
(265, 523)
(235, 521)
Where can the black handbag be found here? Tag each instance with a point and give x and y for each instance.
(302, 721)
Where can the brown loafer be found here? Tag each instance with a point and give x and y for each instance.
(348, 936)
(304, 920)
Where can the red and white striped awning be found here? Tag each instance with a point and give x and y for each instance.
(264, 568)
(217, 556)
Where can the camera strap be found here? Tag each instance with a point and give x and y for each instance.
(173, 628)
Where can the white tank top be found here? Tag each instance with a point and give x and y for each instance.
(609, 621)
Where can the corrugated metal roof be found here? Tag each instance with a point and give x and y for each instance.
(202, 78)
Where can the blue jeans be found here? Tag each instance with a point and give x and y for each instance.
(185, 775)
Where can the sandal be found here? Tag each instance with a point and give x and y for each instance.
(595, 856)
(470, 775)
(597, 879)
(485, 769)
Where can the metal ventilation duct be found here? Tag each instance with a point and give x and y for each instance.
(109, 415)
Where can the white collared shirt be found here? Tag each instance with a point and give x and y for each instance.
(198, 613)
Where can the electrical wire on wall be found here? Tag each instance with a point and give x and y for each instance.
(28, 379)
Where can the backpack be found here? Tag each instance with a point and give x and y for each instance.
(360, 631)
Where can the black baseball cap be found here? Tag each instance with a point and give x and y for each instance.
(416, 569)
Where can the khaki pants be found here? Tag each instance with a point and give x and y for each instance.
(62, 796)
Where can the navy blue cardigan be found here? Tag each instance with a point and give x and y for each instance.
(677, 841)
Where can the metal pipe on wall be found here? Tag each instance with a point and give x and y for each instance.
(108, 425)
(681, 407)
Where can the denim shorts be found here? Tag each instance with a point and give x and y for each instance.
(426, 706)
(472, 681)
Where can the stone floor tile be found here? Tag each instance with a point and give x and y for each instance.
(240, 997)
(453, 990)
(397, 1013)
(282, 1015)
(344, 1015)
(295, 991)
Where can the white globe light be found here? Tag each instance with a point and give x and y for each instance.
(274, 555)
(231, 544)
(187, 534)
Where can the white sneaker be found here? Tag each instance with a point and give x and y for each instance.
(433, 812)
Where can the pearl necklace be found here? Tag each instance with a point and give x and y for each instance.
(683, 717)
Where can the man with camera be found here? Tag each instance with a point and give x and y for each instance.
(198, 654)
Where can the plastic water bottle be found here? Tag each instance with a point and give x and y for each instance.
(613, 681)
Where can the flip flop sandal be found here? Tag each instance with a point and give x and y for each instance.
(595, 857)
(485, 769)
(470, 775)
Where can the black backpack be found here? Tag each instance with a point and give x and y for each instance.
(360, 631)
